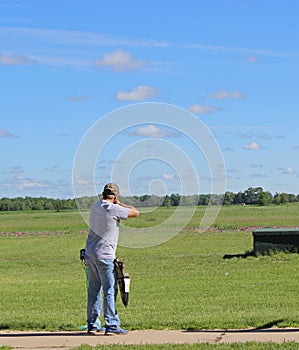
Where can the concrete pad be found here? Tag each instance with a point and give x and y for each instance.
(275, 335)
(69, 340)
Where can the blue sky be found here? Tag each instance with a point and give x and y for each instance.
(64, 65)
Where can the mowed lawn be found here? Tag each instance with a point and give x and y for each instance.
(184, 283)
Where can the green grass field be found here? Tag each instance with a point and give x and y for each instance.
(230, 217)
(199, 346)
(182, 284)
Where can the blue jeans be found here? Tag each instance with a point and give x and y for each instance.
(101, 277)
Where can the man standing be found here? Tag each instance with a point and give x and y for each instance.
(101, 244)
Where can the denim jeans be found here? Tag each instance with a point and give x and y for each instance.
(101, 278)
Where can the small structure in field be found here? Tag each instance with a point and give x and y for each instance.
(275, 239)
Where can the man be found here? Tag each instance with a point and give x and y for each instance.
(101, 244)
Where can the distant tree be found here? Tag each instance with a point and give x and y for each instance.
(144, 198)
(48, 205)
(6, 204)
(251, 195)
(216, 199)
(239, 198)
(292, 198)
(36, 204)
(166, 202)
(203, 199)
(284, 198)
(175, 199)
(264, 198)
(276, 198)
(57, 204)
(17, 204)
(229, 198)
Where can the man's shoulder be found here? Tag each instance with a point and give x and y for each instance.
(99, 206)
(96, 204)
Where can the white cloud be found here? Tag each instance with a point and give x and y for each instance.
(120, 61)
(225, 94)
(20, 182)
(17, 184)
(253, 146)
(289, 170)
(10, 60)
(142, 92)
(152, 131)
(202, 109)
(167, 176)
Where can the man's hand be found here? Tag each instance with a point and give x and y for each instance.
(133, 213)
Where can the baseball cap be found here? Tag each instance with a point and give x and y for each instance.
(110, 190)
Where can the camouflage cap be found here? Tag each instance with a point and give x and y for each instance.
(110, 190)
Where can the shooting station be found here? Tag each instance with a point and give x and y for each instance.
(278, 239)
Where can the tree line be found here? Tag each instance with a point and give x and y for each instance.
(251, 196)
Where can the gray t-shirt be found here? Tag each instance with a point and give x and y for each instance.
(103, 234)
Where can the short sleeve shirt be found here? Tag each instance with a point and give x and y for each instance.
(103, 233)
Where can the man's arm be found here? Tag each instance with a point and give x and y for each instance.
(133, 213)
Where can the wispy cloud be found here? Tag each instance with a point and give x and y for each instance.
(10, 60)
(202, 109)
(142, 92)
(228, 149)
(167, 176)
(258, 175)
(254, 165)
(16, 5)
(53, 169)
(15, 170)
(225, 94)
(250, 135)
(91, 38)
(21, 182)
(15, 182)
(4, 134)
(78, 98)
(53, 46)
(152, 131)
(120, 61)
(251, 59)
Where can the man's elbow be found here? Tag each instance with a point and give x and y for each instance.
(133, 213)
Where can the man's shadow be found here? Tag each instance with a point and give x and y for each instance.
(265, 328)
